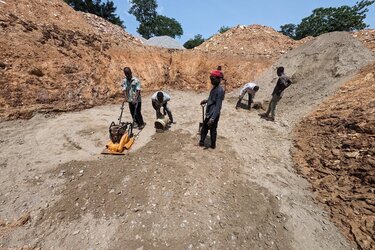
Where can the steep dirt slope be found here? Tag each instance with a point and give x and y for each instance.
(60, 62)
(318, 68)
(334, 150)
(53, 58)
(367, 37)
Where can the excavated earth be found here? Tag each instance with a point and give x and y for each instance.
(65, 60)
(57, 191)
(335, 150)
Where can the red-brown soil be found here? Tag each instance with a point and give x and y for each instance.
(335, 150)
(53, 58)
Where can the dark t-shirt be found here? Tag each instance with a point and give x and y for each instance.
(282, 83)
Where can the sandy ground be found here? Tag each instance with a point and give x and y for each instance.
(165, 193)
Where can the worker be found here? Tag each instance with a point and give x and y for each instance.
(222, 74)
(213, 108)
(282, 83)
(251, 89)
(160, 99)
(131, 88)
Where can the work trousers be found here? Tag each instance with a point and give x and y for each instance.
(272, 106)
(213, 131)
(249, 100)
(135, 111)
(166, 109)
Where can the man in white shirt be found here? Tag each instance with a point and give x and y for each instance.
(249, 88)
(160, 99)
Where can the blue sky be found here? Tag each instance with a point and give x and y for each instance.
(207, 16)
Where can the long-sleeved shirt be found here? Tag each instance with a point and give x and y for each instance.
(214, 102)
(166, 98)
(282, 83)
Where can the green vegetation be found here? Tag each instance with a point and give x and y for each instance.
(324, 20)
(106, 10)
(151, 23)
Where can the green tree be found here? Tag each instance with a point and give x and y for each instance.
(143, 10)
(223, 29)
(194, 42)
(289, 30)
(324, 20)
(151, 23)
(106, 10)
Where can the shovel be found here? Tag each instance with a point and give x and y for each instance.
(201, 123)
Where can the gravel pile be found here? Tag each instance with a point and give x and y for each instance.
(253, 40)
(164, 42)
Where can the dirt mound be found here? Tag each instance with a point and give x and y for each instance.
(251, 41)
(367, 37)
(335, 151)
(49, 63)
(318, 68)
(56, 59)
(117, 33)
(164, 42)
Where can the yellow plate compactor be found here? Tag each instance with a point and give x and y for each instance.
(121, 136)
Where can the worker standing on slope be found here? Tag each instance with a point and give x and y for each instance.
(131, 88)
(282, 83)
(249, 88)
(160, 99)
(213, 108)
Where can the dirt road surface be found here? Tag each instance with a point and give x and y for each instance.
(166, 193)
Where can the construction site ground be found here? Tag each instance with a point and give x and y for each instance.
(165, 193)
(303, 182)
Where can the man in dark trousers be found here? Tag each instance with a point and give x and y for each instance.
(282, 83)
(213, 107)
(131, 88)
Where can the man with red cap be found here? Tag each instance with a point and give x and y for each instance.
(213, 108)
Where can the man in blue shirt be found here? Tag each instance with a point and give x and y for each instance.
(213, 108)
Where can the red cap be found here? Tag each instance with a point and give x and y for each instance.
(216, 73)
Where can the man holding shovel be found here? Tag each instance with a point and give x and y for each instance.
(213, 108)
(131, 87)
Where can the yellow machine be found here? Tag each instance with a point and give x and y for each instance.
(121, 136)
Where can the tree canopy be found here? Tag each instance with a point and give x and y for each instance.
(106, 9)
(324, 20)
(151, 23)
(194, 42)
(223, 29)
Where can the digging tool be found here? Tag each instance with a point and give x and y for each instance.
(121, 136)
(201, 123)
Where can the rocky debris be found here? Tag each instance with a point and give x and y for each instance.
(116, 32)
(253, 40)
(367, 37)
(7, 227)
(334, 150)
(164, 42)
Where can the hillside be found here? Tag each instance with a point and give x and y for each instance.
(251, 41)
(65, 60)
(335, 152)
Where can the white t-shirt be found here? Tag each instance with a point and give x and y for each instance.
(165, 99)
(248, 88)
